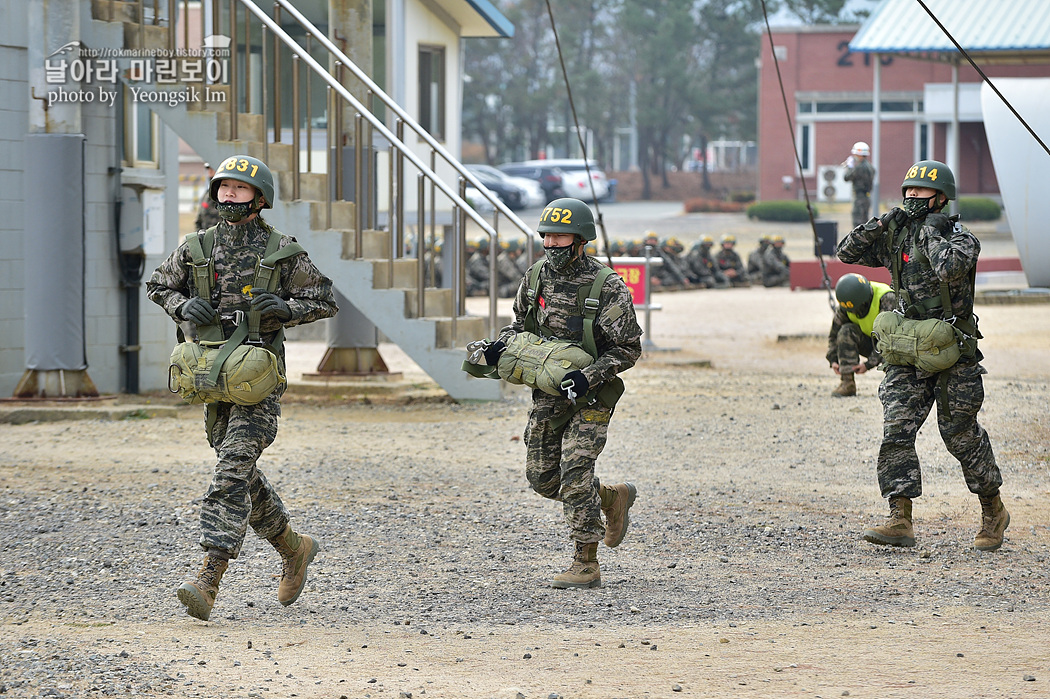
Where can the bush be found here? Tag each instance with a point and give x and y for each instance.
(785, 210)
(698, 204)
(979, 209)
(742, 197)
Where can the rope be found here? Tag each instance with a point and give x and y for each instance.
(984, 77)
(798, 160)
(579, 134)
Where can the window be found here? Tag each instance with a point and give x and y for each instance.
(432, 90)
(805, 147)
(140, 134)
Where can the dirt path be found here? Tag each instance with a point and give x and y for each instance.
(742, 575)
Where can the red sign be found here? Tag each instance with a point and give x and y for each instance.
(633, 275)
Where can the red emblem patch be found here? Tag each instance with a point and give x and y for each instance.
(543, 304)
(904, 256)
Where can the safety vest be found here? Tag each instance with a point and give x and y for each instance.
(878, 291)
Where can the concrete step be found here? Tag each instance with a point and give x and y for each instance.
(114, 11)
(342, 216)
(468, 329)
(403, 271)
(437, 303)
(145, 37)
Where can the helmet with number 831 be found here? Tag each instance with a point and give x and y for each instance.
(568, 215)
(245, 168)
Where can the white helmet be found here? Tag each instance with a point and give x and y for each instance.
(861, 148)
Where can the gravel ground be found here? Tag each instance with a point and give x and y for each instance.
(743, 573)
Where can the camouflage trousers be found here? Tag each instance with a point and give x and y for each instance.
(239, 493)
(851, 344)
(906, 403)
(861, 206)
(559, 463)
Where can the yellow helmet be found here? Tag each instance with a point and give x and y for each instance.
(729, 239)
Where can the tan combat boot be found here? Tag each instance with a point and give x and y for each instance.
(198, 595)
(896, 530)
(584, 572)
(994, 521)
(296, 553)
(847, 387)
(616, 501)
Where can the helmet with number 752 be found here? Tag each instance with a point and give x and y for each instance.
(568, 215)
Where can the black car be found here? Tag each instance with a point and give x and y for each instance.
(549, 177)
(509, 192)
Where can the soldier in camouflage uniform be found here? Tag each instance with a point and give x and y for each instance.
(478, 273)
(754, 260)
(861, 174)
(931, 257)
(859, 302)
(776, 267)
(207, 216)
(730, 263)
(566, 433)
(239, 494)
(703, 270)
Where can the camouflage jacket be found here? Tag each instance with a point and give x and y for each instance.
(237, 248)
(862, 175)
(730, 259)
(617, 334)
(207, 216)
(950, 248)
(887, 303)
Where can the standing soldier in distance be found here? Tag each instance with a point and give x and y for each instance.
(860, 301)
(207, 216)
(239, 494)
(566, 433)
(933, 260)
(861, 175)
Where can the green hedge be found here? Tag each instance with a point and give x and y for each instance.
(979, 209)
(786, 210)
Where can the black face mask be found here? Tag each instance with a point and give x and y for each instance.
(232, 212)
(918, 207)
(560, 257)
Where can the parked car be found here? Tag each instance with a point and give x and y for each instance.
(532, 192)
(506, 190)
(548, 176)
(575, 178)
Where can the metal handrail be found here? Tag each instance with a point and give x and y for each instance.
(403, 115)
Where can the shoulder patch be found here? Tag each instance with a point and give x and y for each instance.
(614, 313)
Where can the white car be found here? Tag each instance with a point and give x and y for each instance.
(574, 177)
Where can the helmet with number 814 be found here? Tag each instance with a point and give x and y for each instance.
(930, 173)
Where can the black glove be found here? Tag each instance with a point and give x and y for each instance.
(897, 215)
(493, 352)
(266, 302)
(579, 385)
(197, 310)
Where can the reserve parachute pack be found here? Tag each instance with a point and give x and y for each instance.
(239, 369)
(931, 345)
(542, 362)
(539, 362)
(916, 337)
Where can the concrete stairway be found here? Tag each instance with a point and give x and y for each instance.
(385, 293)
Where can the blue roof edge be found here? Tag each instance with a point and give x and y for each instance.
(494, 17)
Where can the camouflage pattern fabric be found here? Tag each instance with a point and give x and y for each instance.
(478, 274)
(847, 343)
(239, 494)
(907, 398)
(703, 270)
(509, 274)
(754, 260)
(862, 176)
(731, 260)
(908, 393)
(776, 267)
(560, 463)
(671, 272)
(207, 216)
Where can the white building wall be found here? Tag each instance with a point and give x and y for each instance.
(14, 117)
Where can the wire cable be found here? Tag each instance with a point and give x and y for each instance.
(798, 160)
(579, 134)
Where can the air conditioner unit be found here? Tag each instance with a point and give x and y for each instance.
(830, 184)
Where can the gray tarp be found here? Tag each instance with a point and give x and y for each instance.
(54, 252)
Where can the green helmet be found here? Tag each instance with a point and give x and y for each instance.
(854, 293)
(570, 216)
(933, 174)
(245, 168)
